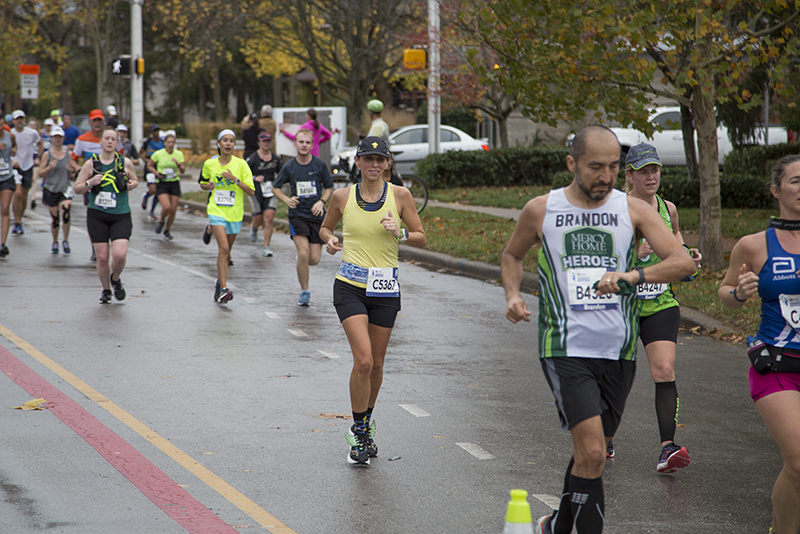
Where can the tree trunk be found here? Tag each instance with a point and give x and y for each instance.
(502, 129)
(687, 127)
(703, 97)
(218, 111)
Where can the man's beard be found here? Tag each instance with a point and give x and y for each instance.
(588, 192)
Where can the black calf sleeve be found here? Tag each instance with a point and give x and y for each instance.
(667, 409)
(55, 220)
(588, 504)
(65, 213)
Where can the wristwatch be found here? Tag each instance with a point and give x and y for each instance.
(403, 236)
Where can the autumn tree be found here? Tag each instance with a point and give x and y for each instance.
(348, 44)
(565, 58)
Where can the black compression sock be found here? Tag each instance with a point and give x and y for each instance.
(588, 504)
(563, 521)
(666, 409)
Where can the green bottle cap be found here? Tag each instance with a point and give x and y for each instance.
(519, 511)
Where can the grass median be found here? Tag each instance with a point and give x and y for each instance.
(480, 237)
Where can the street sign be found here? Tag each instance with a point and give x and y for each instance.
(29, 81)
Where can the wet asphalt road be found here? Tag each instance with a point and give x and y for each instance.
(253, 392)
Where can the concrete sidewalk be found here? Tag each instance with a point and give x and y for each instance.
(530, 281)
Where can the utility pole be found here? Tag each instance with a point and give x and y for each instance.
(137, 79)
(434, 79)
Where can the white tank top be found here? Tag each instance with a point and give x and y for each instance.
(578, 247)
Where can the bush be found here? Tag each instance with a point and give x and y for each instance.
(757, 160)
(497, 167)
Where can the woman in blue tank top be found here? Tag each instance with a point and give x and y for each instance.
(769, 263)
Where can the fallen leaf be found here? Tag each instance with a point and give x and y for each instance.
(33, 404)
(329, 415)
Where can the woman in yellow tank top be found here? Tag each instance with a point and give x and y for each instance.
(366, 293)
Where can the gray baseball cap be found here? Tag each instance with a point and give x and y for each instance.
(641, 155)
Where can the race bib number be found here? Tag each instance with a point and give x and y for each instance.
(306, 189)
(382, 282)
(4, 167)
(168, 173)
(790, 309)
(650, 291)
(106, 200)
(266, 189)
(224, 198)
(581, 295)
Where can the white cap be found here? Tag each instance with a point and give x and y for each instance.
(56, 130)
(122, 127)
(111, 110)
(17, 113)
(49, 122)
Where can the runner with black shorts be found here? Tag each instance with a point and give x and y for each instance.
(366, 293)
(588, 311)
(56, 168)
(265, 166)
(311, 186)
(660, 315)
(108, 177)
(8, 185)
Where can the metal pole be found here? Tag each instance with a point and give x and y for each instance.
(434, 82)
(766, 112)
(137, 80)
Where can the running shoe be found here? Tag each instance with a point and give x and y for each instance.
(225, 295)
(305, 298)
(105, 296)
(610, 450)
(119, 291)
(230, 262)
(54, 248)
(673, 457)
(253, 234)
(543, 525)
(217, 288)
(144, 200)
(267, 252)
(94, 256)
(16, 228)
(159, 227)
(207, 234)
(167, 235)
(372, 448)
(65, 246)
(33, 204)
(151, 216)
(3, 251)
(358, 447)
(21, 231)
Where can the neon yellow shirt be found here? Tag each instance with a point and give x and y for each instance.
(166, 166)
(227, 198)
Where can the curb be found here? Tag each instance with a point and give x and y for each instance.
(484, 271)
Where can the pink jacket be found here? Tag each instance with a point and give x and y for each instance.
(320, 136)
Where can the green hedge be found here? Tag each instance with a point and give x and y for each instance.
(757, 160)
(497, 167)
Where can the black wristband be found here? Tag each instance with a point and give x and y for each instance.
(641, 275)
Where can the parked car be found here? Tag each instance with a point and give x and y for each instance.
(81, 122)
(669, 141)
(409, 144)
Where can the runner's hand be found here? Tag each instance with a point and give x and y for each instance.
(517, 311)
(332, 246)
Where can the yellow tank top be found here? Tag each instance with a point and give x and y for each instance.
(366, 242)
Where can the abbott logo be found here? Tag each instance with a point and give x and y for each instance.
(783, 265)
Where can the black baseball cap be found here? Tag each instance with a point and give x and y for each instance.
(373, 145)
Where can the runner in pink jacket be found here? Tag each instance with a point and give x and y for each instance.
(321, 134)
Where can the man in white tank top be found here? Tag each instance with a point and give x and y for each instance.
(588, 309)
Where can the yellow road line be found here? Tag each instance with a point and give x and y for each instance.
(238, 499)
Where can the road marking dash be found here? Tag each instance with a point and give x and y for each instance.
(297, 332)
(272, 315)
(550, 500)
(250, 300)
(329, 354)
(415, 410)
(476, 451)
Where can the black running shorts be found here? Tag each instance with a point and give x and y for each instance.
(350, 300)
(104, 227)
(52, 199)
(306, 227)
(169, 188)
(586, 387)
(661, 326)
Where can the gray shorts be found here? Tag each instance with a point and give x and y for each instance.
(586, 387)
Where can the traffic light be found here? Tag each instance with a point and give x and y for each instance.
(121, 66)
(414, 59)
(139, 67)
